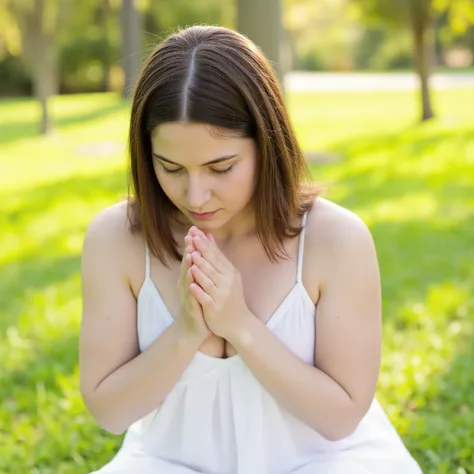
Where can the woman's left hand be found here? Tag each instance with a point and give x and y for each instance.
(219, 288)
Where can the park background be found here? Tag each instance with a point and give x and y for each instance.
(381, 95)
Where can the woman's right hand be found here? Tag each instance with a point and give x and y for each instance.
(191, 316)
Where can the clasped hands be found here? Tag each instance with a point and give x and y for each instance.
(217, 287)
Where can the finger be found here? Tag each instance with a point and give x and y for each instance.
(188, 240)
(211, 253)
(189, 275)
(201, 296)
(185, 265)
(203, 280)
(191, 298)
(189, 245)
(195, 232)
(206, 268)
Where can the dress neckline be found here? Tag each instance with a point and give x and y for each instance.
(274, 318)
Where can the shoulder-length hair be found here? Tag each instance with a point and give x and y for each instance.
(216, 76)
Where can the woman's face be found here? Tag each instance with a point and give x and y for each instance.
(204, 172)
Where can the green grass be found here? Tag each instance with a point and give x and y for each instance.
(412, 184)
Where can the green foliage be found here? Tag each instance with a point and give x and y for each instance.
(182, 13)
(321, 34)
(14, 77)
(460, 13)
(395, 52)
(412, 185)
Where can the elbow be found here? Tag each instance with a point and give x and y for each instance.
(342, 428)
(346, 421)
(340, 433)
(106, 419)
(116, 430)
(108, 423)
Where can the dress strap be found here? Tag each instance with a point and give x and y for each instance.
(301, 249)
(147, 262)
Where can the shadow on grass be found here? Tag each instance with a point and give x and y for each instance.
(42, 199)
(369, 183)
(33, 273)
(18, 130)
(413, 139)
(415, 255)
(42, 266)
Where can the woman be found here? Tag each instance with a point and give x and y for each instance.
(231, 317)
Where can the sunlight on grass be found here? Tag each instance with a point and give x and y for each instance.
(411, 184)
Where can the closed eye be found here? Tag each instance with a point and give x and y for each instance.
(177, 170)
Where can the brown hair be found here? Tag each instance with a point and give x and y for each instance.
(216, 76)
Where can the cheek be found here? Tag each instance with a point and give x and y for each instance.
(245, 178)
(169, 184)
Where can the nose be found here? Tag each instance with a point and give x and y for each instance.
(197, 193)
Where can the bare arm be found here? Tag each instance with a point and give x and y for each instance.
(119, 384)
(333, 396)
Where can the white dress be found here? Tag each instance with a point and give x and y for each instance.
(219, 419)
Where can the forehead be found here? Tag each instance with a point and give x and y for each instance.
(174, 133)
(183, 141)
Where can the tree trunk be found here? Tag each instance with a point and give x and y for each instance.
(131, 43)
(103, 12)
(266, 33)
(45, 79)
(41, 54)
(422, 56)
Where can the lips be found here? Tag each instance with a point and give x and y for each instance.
(203, 214)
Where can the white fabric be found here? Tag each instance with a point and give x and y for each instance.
(219, 419)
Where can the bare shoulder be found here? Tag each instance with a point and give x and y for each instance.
(109, 241)
(109, 226)
(339, 243)
(332, 227)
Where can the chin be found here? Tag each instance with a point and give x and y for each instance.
(206, 224)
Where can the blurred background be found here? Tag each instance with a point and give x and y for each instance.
(381, 96)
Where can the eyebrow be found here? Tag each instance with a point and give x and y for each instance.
(212, 162)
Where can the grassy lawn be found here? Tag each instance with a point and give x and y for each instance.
(413, 185)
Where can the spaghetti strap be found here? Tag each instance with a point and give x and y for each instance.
(299, 273)
(147, 262)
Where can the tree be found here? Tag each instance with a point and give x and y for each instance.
(103, 11)
(130, 20)
(321, 34)
(268, 34)
(419, 16)
(40, 22)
